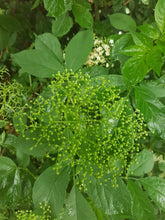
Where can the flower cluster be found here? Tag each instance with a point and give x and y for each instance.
(11, 97)
(100, 54)
(86, 126)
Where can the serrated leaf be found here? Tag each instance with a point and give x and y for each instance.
(48, 42)
(111, 200)
(57, 7)
(78, 49)
(154, 59)
(82, 16)
(155, 188)
(150, 30)
(77, 207)
(122, 22)
(160, 14)
(62, 25)
(141, 164)
(142, 207)
(51, 187)
(134, 70)
(124, 41)
(134, 50)
(153, 110)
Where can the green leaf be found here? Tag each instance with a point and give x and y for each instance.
(124, 41)
(50, 44)
(78, 49)
(82, 16)
(142, 40)
(134, 50)
(51, 187)
(62, 25)
(134, 70)
(122, 22)
(155, 187)
(141, 207)
(160, 14)
(2, 217)
(155, 60)
(4, 38)
(153, 110)
(141, 164)
(111, 200)
(57, 7)
(9, 23)
(35, 4)
(77, 208)
(150, 30)
(10, 183)
(22, 159)
(96, 70)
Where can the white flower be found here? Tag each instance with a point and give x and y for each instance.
(107, 65)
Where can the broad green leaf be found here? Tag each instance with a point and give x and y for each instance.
(22, 158)
(10, 183)
(39, 63)
(124, 41)
(153, 110)
(57, 7)
(154, 59)
(141, 206)
(95, 71)
(62, 25)
(77, 207)
(160, 14)
(48, 42)
(111, 200)
(134, 70)
(155, 188)
(134, 50)
(9, 23)
(142, 40)
(141, 164)
(4, 38)
(2, 217)
(150, 30)
(82, 16)
(51, 187)
(122, 22)
(78, 49)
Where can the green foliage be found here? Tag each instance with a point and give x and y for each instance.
(72, 143)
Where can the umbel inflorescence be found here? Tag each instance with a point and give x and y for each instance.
(86, 124)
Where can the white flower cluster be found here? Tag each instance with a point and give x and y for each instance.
(100, 55)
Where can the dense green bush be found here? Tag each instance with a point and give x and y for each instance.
(82, 109)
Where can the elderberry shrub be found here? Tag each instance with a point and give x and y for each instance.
(87, 126)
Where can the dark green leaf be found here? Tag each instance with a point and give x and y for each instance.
(95, 71)
(152, 109)
(78, 49)
(9, 23)
(57, 7)
(134, 70)
(7, 166)
(142, 207)
(51, 187)
(111, 200)
(160, 14)
(155, 60)
(77, 208)
(122, 22)
(62, 25)
(82, 16)
(4, 38)
(141, 164)
(155, 187)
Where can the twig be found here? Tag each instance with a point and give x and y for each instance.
(15, 7)
(35, 91)
(125, 3)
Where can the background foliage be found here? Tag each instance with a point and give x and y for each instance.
(82, 109)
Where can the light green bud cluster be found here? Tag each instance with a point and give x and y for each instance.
(30, 215)
(87, 126)
(11, 96)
